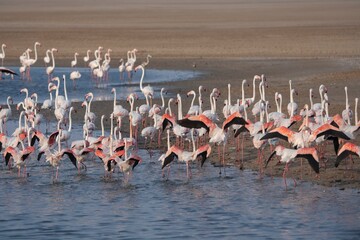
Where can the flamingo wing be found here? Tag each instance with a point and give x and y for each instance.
(345, 151)
(329, 130)
(204, 153)
(240, 130)
(234, 118)
(311, 155)
(270, 157)
(34, 139)
(7, 70)
(52, 138)
(188, 123)
(166, 122)
(71, 156)
(169, 158)
(8, 154)
(276, 134)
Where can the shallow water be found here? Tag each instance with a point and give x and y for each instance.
(207, 206)
(85, 84)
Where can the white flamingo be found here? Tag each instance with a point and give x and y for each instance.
(87, 57)
(74, 76)
(47, 57)
(31, 61)
(121, 68)
(50, 69)
(147, 90)
(2, 54)
(74, 62)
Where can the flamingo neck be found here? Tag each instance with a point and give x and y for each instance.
(214, 103)
(229, 95)
(102, 125)
(200, 105)
(168, 139)
(57, 93)
(193, 100)
(169, 107)
(142, 77)
(70, 122)
(356, 113)
(114, 100)
(8, 103)
(35, 49)
(254, 89)
(147, 100)
(91, 98)
(243, 93)
(162, 99)
(111, 133)
(59, 142)
(65, 92)
(311, 100)
(20, 118)
(192, 139)
(53, 59)
(280, 104)
(180, 109)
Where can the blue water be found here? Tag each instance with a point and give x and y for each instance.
(102, 90)
(207, 206)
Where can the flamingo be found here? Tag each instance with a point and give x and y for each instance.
(29, 62)
(66, 134)
(251, 100)
(6, 113)
(150, 132)
(28, 102)
(227, 106)
(194, 109)
(121, 68)
(47, 57)
(147, 90)
(2, 54)
(211, 114)
(88, 126)
(118, 110)
(288, 155)
(65, 103)
(50, 69)
(134, 116)
(18, 155)
(129, 164)
(91, 116)
(185, 156)
(74, 75)
(74, 62)
(87, 57)
(144, 64)
(54, 157)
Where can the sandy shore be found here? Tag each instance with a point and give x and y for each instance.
(309, 42)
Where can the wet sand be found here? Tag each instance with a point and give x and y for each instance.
(309, 42)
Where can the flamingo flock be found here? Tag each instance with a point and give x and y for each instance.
(202, 129)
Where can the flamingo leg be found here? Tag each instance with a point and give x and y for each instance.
(284, 174)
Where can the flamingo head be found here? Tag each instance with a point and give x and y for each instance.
(113, 90)
(23, 90)
(54, 50)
